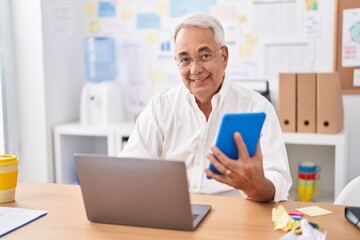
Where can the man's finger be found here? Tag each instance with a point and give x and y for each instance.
(216, 163)
(221, 157)
(217, 177)
(241, 146)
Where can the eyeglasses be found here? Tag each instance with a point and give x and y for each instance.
(185, 62)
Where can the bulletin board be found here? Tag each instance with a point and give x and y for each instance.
(264, 37)
(347, 44)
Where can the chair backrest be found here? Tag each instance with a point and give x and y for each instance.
(350, 195)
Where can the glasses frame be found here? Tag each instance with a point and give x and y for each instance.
(197, 58)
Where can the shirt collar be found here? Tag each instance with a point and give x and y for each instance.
(224, 89)
(220, 96)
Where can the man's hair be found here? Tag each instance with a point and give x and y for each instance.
(203, 20)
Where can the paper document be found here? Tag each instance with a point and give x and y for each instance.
(12, 218)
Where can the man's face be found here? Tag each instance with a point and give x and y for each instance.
(202, 78)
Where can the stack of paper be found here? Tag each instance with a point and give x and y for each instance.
(14, 218)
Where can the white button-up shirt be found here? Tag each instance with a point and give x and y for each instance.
(172, 127)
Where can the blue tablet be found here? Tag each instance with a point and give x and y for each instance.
(249, 125)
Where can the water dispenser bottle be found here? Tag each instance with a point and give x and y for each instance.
(100, 58)
(101, 97)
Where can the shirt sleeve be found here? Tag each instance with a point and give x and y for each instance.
(145, 140)
(275, 160)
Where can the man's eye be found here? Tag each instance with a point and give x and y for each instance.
(185, 60)
(206, 56)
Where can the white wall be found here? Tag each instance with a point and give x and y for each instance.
(29, 75)
(352, 126)
(63, 68)
(48, 80)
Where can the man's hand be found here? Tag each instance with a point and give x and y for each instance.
(246, 174)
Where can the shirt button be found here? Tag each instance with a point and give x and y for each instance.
(194, 186)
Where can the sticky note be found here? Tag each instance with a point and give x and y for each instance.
(163, 9)
(242, 19)
(251, 38)
(313, 211)
(94, 26)
(125, 13)
(90, 8)
(157, 76)
(245, 51)
(151, 37)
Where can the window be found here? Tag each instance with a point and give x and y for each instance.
(6, 77)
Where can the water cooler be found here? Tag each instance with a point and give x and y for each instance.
(101, 98)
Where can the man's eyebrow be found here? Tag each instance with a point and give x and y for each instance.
(206, 48)
(202, 49)
(183, 53)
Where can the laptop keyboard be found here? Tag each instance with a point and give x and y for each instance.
(194, 216)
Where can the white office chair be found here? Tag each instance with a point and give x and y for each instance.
(350, 195)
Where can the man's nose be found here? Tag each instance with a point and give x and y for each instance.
(195, 66)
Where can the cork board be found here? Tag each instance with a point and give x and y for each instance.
(346, 73)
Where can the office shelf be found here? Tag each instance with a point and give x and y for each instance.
(327, 150)
(74, 138)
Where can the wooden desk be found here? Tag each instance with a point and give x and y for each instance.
(230, 218)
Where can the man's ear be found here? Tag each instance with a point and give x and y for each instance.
(225, 54)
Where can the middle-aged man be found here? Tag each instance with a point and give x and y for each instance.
(181, 123)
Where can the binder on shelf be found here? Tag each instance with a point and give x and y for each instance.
(287, 101)
(306, 102)
(330, 110)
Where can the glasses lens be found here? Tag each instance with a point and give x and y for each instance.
(185, 62)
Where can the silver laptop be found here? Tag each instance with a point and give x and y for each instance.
(137, 192)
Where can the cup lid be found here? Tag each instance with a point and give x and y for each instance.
(8, 160)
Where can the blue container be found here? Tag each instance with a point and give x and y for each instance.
(100, 59)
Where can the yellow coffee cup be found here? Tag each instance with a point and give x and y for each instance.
(8, 177)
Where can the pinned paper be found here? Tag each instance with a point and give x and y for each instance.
(242, 19)
(311, 5)
(223, 12)
(147, 20)
(356, 78)
(106, 9)
(313, 211)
